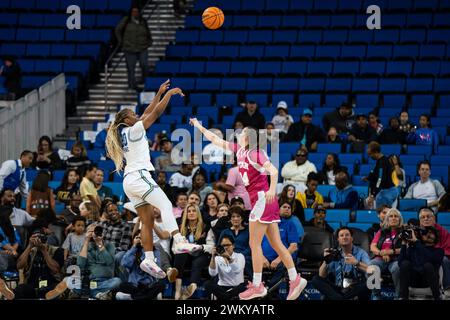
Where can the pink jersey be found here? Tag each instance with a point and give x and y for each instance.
(254, 176)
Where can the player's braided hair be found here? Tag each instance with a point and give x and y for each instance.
(113, 140)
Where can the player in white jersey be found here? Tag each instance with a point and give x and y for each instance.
(127, 140)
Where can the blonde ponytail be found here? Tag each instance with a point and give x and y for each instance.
(113, 140)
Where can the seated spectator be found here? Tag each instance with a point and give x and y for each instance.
(394, 134)
(237, 231)
(45, 223)
(223, 220)
(194, 198)
(311, 198)
(290, 235)
(90, 212)
(342, 118)
(288, 195)
(330, 168)
(97, 256)
(129, 213)
(343, 196)
(235, 186)
(103, 214)
(9, 241)
(361, 134)
(426, 188)
(161, 242)
(229, 267)
(386, 246)
(318, 221)
(42, 267)
(424, 135)
(79, 159)
(118, 233)
(164, 161)
(428, 219)
(73, 210)
(13, 77)
(374, 123)
(196, 161)
(161, 180)
(212, 153)
(41, 196)
(272, 134)
(140, 284)
(155, 144)
(209, 209)
(18, 217)
(344, 279)
(100, 139)
(195, 231)
(251, 117)
(308, 134)
(74, 241)
(296, 172)
(332, 136)
(405, 125)
(68, 186)
(282, 120)
(46, 157)
(102, 191)
(419, 263)
(182, 202)
(398, 175)
(238, 126)
(88, 190)
(55, 224)
(13, 175)
(199, 185)
(381, 212)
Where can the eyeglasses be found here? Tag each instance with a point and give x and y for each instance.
(425, 217)
(226, 245)
(301, 155)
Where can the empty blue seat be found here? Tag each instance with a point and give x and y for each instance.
(391, 20)
(285, 36)
(193, 22)
(285, 84)
(31, 20)
(372, 68)
(123, 5)
(52, 35)
(303, 51)
(310, 36)
(55, 20)
(438, 35)
(338, 84)
(246, 68)
(394, 100)
(329, 148)
(411, 204)
(294, 21)
(389, 149)
(253, 52)
(320, 67)
(41, 50)
(63, 50)
(226, 99)
(422, 100)
(288, 98)
(379, 51)
(360, 36)
(367, 216)
(359, 225)
(340, 215)
(407, 51)
(419, 20)
(392, 85)
(228, 52)
(78, 66)
(187, 36)
(259, 84)
(420, 150)
(178, 51)
(440, 160)
(153, 83)
(8, 34)
(32, 82)
(444, 68)
(441, 20)
(233, 84)
(53, 66)
(353, 51)
(208, 84)
(217, 67)
(365, 85)
(419, 85)
(167, 67)
(407, 159)
(211, 36)
(268, 68)
(245, 21)
(386, 35)
(366, 100)
(234, 36)
(260, 36)
(205, 52)
(403, 68)
(98, 5)
(317, 21)
(23, 4)
(350, 158)
(26, 66)
(253, 6)
(346, 68)
(199, 99)
(272, 22)
(78, 35)
(27, 34)
(192, 67)
(432, 51)
(274, 51)
(9, 19)
(185, 83)
(412, 35)
(328, 51)
(442, 85)
(443, 218)
(335, 36)
(261, 100)
(210, 111)
(335, 100)
(431, 67)
(309, 100)
(312, 84)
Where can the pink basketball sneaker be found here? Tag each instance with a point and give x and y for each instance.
(296, 287)
(253, 292)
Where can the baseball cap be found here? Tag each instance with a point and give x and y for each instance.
(307, 111)
(236, 199)
(129, 206)
(320, 209)
(163, 140)
(282, 105)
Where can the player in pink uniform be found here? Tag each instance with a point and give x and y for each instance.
(254, 166)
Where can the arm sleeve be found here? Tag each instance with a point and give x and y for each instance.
(238, 265)
(376, 237)
(125, 241)
(108, 254)
(66, 244)
(439, 189)
(365, 258)
(231, 178)
(6, 169)
(129, 258)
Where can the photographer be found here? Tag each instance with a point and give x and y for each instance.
(97, 256)
(229, 265)
(420, 260)
(140, 284)
(342, 274)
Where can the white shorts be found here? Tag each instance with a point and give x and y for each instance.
(138, 185)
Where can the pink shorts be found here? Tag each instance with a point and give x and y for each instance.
(262, 212)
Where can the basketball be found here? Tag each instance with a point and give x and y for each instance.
(213, 18)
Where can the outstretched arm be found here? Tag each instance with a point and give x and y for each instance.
(210, 135)
(150, 118)
(164, 86)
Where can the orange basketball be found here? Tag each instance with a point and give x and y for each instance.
(213, 18)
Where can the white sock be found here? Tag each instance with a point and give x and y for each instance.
(177, 237)
(124, 296)
(292, 274)
(257, 279)
(149, 255)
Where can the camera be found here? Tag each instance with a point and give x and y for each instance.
(220, 249)
(42, 236)
(98, 231)
(334, 255)
(406, 232)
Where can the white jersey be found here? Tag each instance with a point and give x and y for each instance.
(135, 148)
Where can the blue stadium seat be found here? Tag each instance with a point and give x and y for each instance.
(317, 158)
(252, 6)
(386, 35)
(441, 20)
(349, 5)
(235, 36)
(285, 36)
(123, 5)
(423, 20)
(187, 84)
(394, 100)
(227, 52)
(277, 6)
(187, 36)
(346, 68)
(339, 215)
(152, 83)
(63, 50)
(167, 67)
(98, 5)
(270, 68)
(329, 148)
(208, 84)
(294, 21)
(285, 84)
(52, 35)
(276, 51)
(245, 21)
(328, 51)
(211, 36)
(78, 35)
(31, 20)
(360, 36)
(420, 150)
(260, 36)
(32, 82)
(353, 51)
(335, 100)
(288, 98)
(28, 35)
(365, 85)
(233, 84)
(259, 84)
(217, 67)
(198, 99)
(204, 52)
(363, 191)
(432, 51)
(338, 84)
(444, 150)
(391, 20)
(178, 51)
(8, 19)
(245, 68)
(359, 225)
(389, 149)
(426, 68)
(379, 51)
(392, 85)
(367, 100)
(210, 111)
(412, 35)
(443, 218)
(401, 68)
(48, 66)
(422, 100)
(440, 160)
(192, 67)
(303, 51)
(320, 67)
(306, 5)
(408, 215)
(438, 35)
(376, 68)
(444, 68)
(226, 99)
(41, 50)
(252, 52)
(407, 159)
(310, 36)
(77, 66)
(350, 157)
(419, 85)
(367, 216)
(272, 22)
(312, 84)
(27, 66)
(442, 85)
(317, 21)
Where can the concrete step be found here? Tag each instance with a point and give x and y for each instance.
(111, 102)
(114, 96)
(110, 91)
(98, 109)
(78, 120)
(112, 86)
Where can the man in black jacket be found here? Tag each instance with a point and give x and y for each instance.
(393, 135)
(13, 76)
(419, 262)
(342, 118)
(305, 132)
(251, 116)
